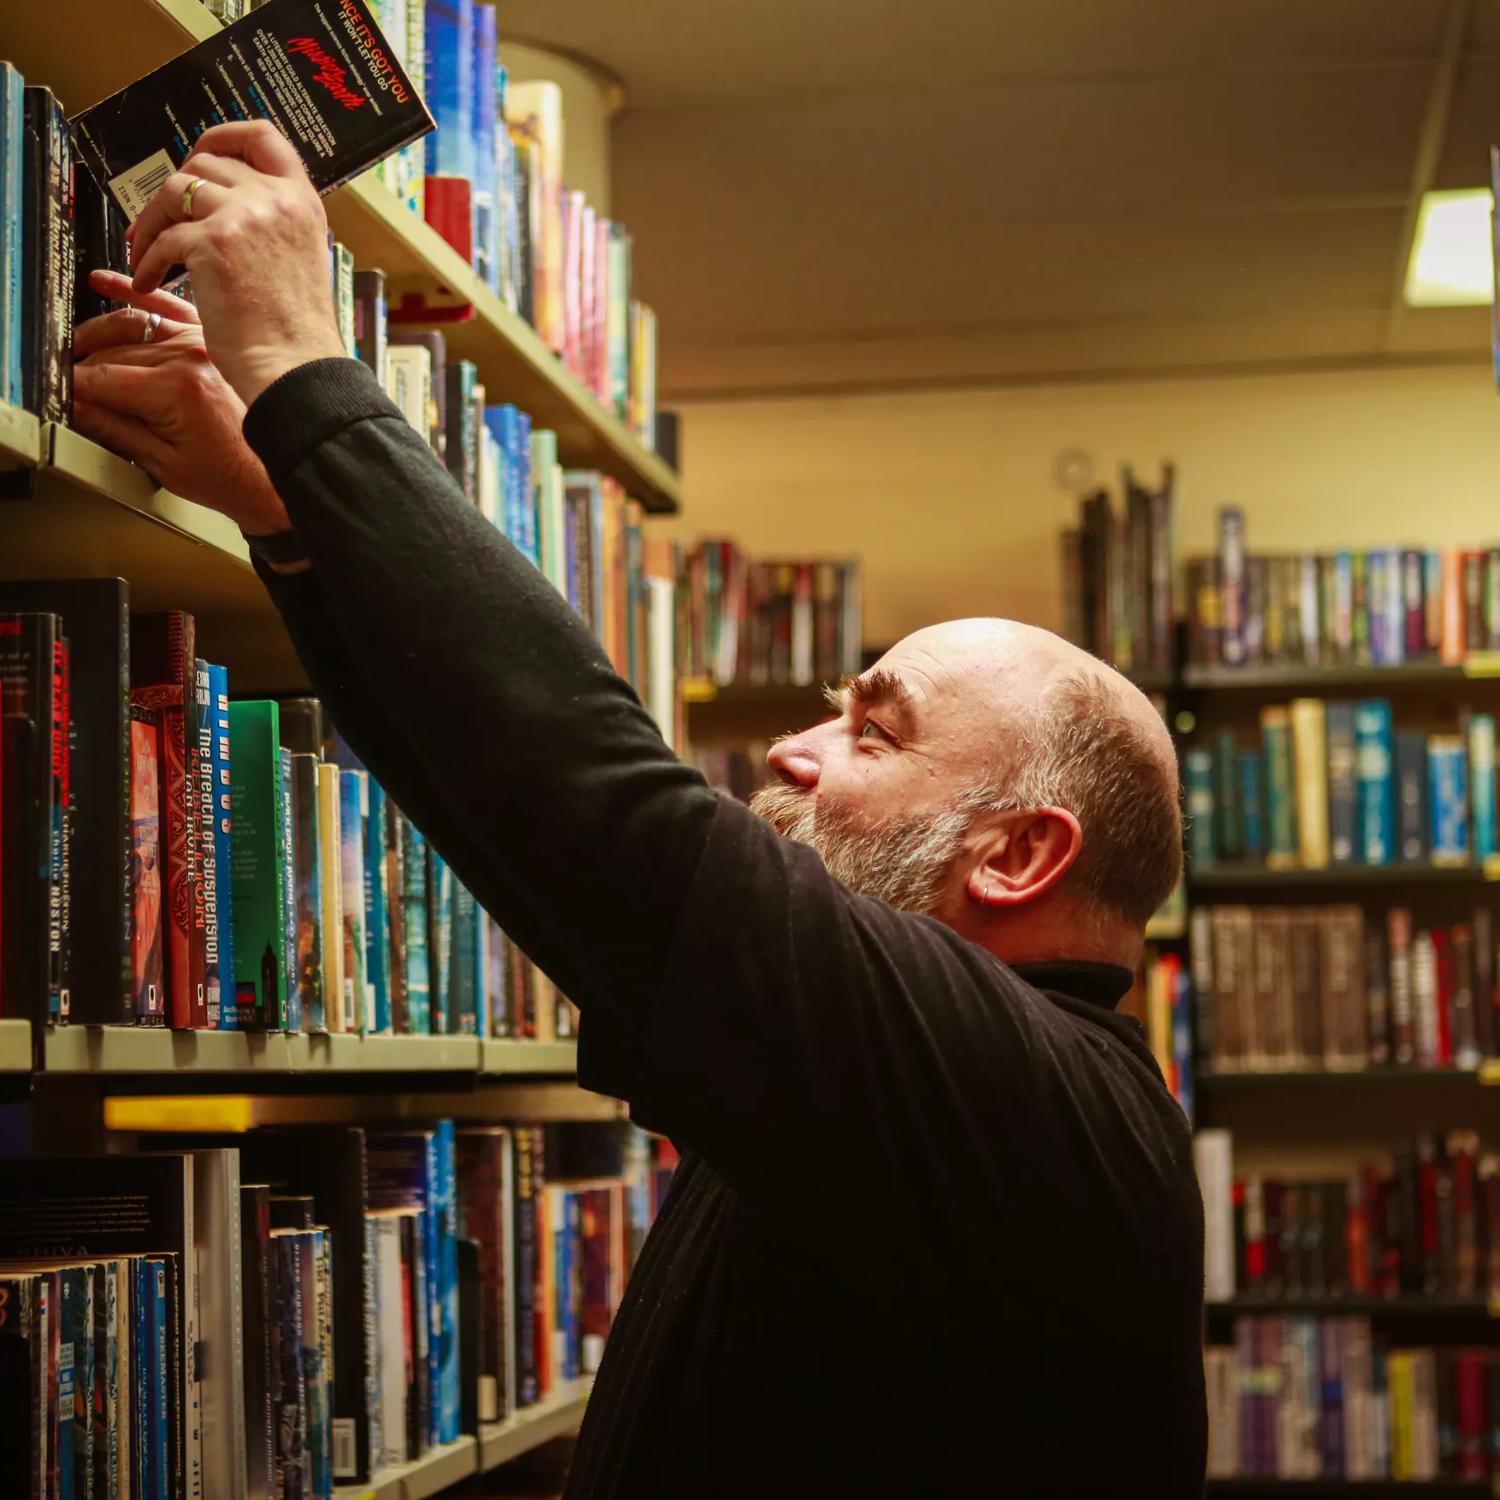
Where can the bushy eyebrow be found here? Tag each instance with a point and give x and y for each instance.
(879, 686)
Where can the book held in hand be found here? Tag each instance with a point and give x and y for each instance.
(322, 73)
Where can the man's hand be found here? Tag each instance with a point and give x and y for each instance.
(256, 246)
(164, 405)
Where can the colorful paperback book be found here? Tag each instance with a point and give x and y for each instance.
(450, 87)
(354, 811)
(293, 1465)
(223, 821)
(322, 74)
(307, 868)
(145, 866)
(439, 939)
(12, 191)
(1482, 783)
(286, 846)
(1448, 798)
(1411, 795)
(414, 902)
(257, 864)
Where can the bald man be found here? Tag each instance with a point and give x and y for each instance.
(936, 1230)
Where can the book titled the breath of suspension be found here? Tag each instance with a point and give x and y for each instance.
(319, 70)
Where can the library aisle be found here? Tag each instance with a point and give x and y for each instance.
(390, 1025)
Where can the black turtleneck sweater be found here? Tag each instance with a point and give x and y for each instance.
(936, 1230)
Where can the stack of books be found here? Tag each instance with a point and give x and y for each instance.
(768, 622)
(1287, 989)
(1329, 783)
(1381, 606)
(1117, 577)
(302, 1307)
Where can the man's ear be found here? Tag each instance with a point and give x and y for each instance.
(1027, 853)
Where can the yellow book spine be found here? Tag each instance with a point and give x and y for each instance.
(1399, 1387)
(1310, 767)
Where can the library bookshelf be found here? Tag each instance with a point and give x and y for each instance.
(70, 508)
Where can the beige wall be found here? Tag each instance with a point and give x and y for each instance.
(950, 497)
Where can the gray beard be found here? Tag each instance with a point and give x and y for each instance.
(901, 861)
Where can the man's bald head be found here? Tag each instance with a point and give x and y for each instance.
(1044, 724)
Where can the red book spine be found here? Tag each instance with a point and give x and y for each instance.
(1427, 1224)
(1255, 1235)
(1357, 1240)
(449, 208)
(1470, 1369)
(1465, 1224)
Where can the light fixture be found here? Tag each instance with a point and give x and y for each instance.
(1452, 255)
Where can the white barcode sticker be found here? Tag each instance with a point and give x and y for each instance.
(345, 1461)
(134, 187)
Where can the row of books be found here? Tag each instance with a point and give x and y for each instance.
(175, 857)
(56, 225)
(757, 621)
(1427, 1226)
(1335, 783)
(1161, 1000)
(301, 1308)
(1327, 1398)
(1377, 607)
(576, 525)
(1284, 989)
(1117, 576)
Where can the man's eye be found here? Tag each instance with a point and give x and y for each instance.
(870, 725)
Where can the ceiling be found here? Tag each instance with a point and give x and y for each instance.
(833, 195)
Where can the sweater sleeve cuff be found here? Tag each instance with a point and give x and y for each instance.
(307, 406)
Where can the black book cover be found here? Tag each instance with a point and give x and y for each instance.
(527, 1142)
(47, 258)
(28, 687)
(327, 1163)
(258, 1318)
(321, 73)
(293, 1211)
(301, 721)
(468, 1336)
(95, 616)
(98, 242)
(20, 1434)
(418, 1395)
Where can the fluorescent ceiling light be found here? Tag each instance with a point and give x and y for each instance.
(1453, 254)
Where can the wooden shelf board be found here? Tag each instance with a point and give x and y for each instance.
(559, 1413)
(1339, 675)
(1410, 1307)
(15, 1046)
(1244, 876)
(1487, 1073)
(434, 1472)
(128, 38)
(504, 1055)
(20, 438)
(348, 1053)
(1396, 1489)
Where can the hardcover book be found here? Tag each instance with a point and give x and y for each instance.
(223, 830)
(338, 1001)
(211, 880)
(323, 75)
(94, 615)
(145, 867)
(353, 812)
(307, 866)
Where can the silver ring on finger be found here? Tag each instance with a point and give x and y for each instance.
(152, 324)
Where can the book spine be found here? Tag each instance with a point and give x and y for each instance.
(1232, 596)
(338, 1008)
(1448, 799)
(145, 837)
(525, 1283)
(210, 882)
(293, 1471)
(1198, 777)
(377, 903)
(1374, 764)
(1310, 763)
(1252, 814)
(395, 876)
(286, 847)
(307, 865)
(1411, 796)
(353, 812)
(12, 248)
(445, 1201)
(1413, 603)
(1281, 806)
(1343, 796)
(1482, 783)
(223, 835)
(1451, 644)
(414, 898)
(59, 1002)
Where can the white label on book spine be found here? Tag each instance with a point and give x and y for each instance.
(136, 185)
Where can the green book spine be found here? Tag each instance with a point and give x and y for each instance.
(1281, 802)
(256, 864)
(1198, 771)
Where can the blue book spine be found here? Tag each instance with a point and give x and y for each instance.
(486, 106)
(157, 1325)
(84, 1371)
(440, 943)
(1252, 805)
(450, 89)
(1448, 799)
(432, 1260)
(65, 1392)
(1377, 581)
(1198, 773)
(494, 423)
(414, 908)
(353, 814)
(1411, 796)
(1182, 1038)
(12, 229)
(1343, 791)
(1395, 607)
(531, 542)
(1343, 604)
(1482, 782)
(1375, 756)
(444, 1178)
(218, 680)
(316, 1372)
(293, 976)
(108, 1338)
(377, 906)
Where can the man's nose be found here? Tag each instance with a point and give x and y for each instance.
(796, 761)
